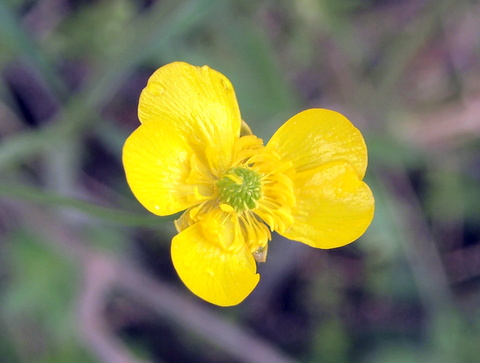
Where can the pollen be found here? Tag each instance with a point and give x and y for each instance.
(240, 188)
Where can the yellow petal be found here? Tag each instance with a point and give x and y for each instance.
(161, 170)
(317, 136)
(213, 262)
(201, 104)
(333, 207)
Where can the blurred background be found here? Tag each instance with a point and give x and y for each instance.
(85, 271)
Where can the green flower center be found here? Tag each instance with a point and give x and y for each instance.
(240, 188)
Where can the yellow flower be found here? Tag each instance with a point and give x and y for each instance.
(193, 152)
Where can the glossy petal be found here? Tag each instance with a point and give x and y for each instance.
(333, 207)
(213, 262)
(201, 104)
(159, 165)
(317, 136)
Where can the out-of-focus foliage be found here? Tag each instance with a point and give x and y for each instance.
(406, 72)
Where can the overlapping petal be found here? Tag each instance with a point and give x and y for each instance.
(318, 136)
(200, 103)
(333, 206)
(213, 260)
(161, 170)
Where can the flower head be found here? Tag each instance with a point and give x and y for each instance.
(193, 153)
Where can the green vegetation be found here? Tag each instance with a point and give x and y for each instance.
(85, 271)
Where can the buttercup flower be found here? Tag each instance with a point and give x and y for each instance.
(193, 152)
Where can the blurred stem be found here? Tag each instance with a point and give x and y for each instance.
(416, 238)
(407, 224)
(99, 277)
(121, 217)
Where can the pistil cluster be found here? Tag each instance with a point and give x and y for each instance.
(240, 188)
